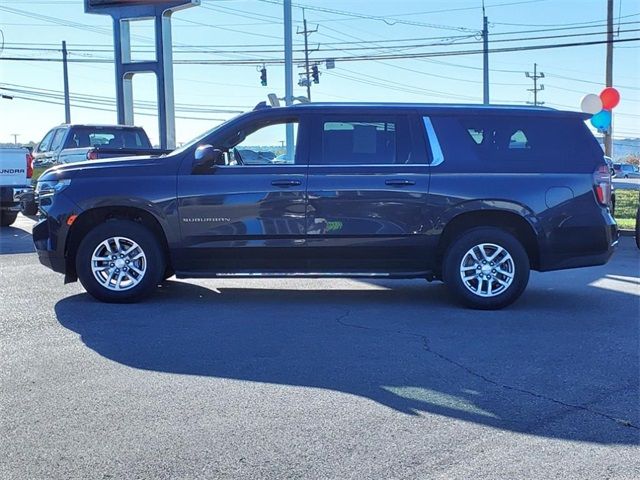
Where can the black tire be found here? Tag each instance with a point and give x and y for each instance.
(7, 218)
(147, 242)
(457, 252)
(28, 208)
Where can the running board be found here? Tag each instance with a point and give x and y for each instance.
(426, 274)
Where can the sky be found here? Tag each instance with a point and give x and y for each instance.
(233, 30)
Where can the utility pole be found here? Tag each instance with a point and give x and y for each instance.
(307, 72)
(288, 70)
(535, 77)
(15, 138)
(485, 57)
(608, 135)
(65, 70)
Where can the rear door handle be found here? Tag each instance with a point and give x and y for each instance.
(399, 182)
(286, 183)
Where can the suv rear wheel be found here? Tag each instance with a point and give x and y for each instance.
(120, 261)
(486, 268)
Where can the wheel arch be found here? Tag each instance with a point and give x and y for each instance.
(515, 223)
(88, 219)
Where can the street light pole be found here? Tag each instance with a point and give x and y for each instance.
(608, 135)
(65, 72)
(485, 57)
(288, 70)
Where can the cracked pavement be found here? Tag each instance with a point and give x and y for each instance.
(318, 378)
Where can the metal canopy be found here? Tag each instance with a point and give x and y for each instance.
(123, 12)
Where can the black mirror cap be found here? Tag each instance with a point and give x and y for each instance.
(206, 157)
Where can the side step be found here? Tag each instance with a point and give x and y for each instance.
(425, 274)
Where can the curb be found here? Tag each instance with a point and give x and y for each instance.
(627, 233)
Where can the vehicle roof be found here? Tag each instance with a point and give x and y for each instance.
(95, 125)
(437, 108)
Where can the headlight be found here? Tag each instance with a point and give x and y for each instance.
(51, 187)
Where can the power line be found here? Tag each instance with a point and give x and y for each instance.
(351, 58)
(384, 19)
(219, 48)
(143, 104)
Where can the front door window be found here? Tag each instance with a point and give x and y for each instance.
(264, 146)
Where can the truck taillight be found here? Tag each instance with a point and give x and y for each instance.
(602, 184)
(92, 155)
(29, 165)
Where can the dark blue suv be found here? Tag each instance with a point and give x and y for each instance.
(471, 195)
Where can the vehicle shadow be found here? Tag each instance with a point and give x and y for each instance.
(15, 240)
(401, 344)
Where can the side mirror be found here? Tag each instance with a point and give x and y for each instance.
(206, 157)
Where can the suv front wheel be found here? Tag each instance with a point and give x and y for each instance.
(486, 268)
(120, 261)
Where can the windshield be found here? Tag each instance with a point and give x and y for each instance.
(200, 137)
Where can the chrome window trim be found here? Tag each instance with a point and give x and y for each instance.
(434, 143)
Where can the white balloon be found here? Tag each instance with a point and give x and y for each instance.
(591, 103)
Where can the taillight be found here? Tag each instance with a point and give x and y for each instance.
(602, 184)
(29, 165)
(92, 155)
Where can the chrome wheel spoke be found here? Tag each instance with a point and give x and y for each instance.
(499, 251)
(493, 270)
(114, 267)
(474, 256)
(506, 274)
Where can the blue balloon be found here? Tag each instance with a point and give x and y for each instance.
(601, 120)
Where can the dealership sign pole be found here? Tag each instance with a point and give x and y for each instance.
(123, 12)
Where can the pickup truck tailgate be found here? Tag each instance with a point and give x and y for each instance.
(13, 167)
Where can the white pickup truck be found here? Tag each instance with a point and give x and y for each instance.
(16, 168)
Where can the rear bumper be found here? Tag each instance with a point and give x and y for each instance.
(574, 246)
(10, 196)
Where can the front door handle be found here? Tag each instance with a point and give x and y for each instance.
(286, 183)
(399, 182)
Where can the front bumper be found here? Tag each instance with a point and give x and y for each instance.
(51, 232)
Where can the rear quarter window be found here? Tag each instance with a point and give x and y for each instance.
(95, 137)
(517, 143)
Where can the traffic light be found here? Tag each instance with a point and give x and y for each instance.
(315, 75)
(263, 76)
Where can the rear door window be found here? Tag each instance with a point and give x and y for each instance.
(364, 141)
(83, 137)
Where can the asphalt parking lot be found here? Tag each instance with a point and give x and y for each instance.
(318, 379)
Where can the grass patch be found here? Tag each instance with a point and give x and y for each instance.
(37, 171)
(626, 207)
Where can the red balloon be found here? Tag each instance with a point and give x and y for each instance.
(610, 98)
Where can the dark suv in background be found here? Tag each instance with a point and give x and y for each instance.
(471, 195)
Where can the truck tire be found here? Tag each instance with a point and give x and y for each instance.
(486, 268)
(28, 208)
(7, 218)
(120, 261)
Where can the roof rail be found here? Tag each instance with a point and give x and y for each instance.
(261, 106)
